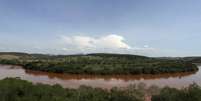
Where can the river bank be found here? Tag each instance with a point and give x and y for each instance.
(176, 80)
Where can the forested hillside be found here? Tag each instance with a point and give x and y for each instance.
(100, 63)
(192, 59)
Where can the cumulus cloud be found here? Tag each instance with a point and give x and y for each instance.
(107, 44)
(110, 42)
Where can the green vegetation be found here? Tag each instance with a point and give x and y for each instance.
(97, 63)
(19, 90)
(13, 89)
(192, 59)
(191, 93)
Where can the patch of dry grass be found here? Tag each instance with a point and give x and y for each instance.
(9, 57)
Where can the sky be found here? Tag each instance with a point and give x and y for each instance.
(141, 27)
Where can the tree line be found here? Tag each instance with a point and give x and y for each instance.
(101, 64)
(14, 89)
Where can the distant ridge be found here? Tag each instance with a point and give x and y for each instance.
(98, 63)
(15, 53)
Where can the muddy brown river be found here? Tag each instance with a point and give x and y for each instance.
(177, 80)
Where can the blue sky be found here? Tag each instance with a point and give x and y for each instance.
(145, 27)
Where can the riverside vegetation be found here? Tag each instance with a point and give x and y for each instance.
(14, 89)
(98, 63)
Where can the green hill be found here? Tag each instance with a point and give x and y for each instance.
(99, 63)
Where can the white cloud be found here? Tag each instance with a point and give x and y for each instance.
(104, 44)
(79, 41)
(113, 41)
(146, 46)
(110, 42)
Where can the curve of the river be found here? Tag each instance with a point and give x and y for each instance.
(177, 80)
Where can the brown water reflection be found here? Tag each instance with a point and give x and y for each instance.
(107, 77)
(177, 80)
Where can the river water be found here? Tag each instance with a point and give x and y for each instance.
(177, 80)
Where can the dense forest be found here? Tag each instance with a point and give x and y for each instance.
(100, 63)
(193, 59)
(14, 89)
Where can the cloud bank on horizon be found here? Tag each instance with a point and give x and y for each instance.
(80, 44)
(111, 43)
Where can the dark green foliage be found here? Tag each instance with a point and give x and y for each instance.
(101, 64)
(18, 90)
(193, 59)
(12, 89)
(192, 93)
